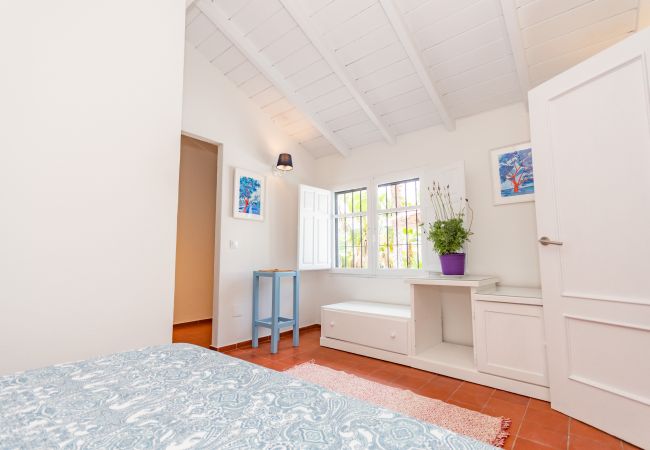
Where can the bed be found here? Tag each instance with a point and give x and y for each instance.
(182, 396)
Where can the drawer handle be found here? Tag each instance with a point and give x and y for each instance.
(332, 324)
(393, 335)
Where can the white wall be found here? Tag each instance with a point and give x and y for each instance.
(504, 243)
(89, 147)
(216, 110)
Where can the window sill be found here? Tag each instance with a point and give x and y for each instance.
(382, 274)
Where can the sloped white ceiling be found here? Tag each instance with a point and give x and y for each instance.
(339, 74)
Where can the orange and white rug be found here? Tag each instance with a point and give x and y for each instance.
(481, 427)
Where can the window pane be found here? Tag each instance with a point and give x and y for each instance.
(412, 227)
(340, 258)
(348, 202)
(400, 195)
(381, 197)
(402, 257)
(340, 203)
(348, 257)
(411, 195)
(417, 191)
(364, 200)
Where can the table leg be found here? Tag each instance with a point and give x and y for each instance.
(275, 307)
(296, 309)
(256, 307)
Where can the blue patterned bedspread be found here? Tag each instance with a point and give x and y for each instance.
(182, 396)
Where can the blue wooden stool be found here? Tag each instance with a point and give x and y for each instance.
(275, 322)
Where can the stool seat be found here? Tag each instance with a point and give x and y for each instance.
(275, 322)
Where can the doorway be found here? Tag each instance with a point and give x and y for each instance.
(195, 244)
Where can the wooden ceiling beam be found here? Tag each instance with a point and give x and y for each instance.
(404, 35)
(296, 10)
(513, 29)
(244, 45)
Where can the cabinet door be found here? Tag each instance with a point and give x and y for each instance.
(509, 341)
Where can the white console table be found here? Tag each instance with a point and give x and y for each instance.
(465, 327)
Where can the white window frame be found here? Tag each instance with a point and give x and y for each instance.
(348, 187)
(371, 185)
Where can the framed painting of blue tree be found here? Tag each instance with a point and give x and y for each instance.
(249, 195)
(513, 177)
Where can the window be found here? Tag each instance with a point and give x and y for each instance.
(399, 242)
(351, 228)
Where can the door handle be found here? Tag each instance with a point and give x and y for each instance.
(544, 240)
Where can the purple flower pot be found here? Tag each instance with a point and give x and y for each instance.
(453, 264)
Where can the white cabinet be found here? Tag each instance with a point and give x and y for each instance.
(509, 341)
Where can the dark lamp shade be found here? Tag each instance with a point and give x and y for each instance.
(284, 162)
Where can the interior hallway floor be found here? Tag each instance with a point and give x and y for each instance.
(534, 424)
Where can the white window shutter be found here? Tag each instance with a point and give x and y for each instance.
(452, 175)
(315, 229)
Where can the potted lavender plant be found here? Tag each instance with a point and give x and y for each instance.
(448, 232)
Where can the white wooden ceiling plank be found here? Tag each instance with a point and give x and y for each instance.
(548, 69)
(469, 60)
(330, 99)
(199, 30)
(267, 69)
(191, 14)
(471, 17)
(401, 101)
(540, 10)
(282, 105)
(474, 38)
(405, 6)
(320, 87)
(229, 59)
(477, 106)
(492, 69)
(485, 89)
(583, 37)
(377, 60)
(272, 29)
(242, 73)
(414, 54)
(306, 135)
(359, 140)
(267, 96)
(354, 118)
(255, 85)
(320, 151)
(338, 110)
(515, 38)
(524, 2)
(397, 87)
(310, 74)
(416, 123)
(313, 6)
(255, 13)
(569, 21)
(355, 28)
(288, 117)
(289, 43)
(384, 76)
(375, 40)
(214, 45)
(303, 21)
(336, 12)
(356, 130)
(299, 126)
(230, 7)
(433, 11)
(298, 61)
(410, 112)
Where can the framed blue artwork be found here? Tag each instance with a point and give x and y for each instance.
(513, 178)
(249, 195)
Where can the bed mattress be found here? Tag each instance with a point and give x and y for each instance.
(181, 396)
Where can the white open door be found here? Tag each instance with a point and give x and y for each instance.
(315, 233)
(591, 143)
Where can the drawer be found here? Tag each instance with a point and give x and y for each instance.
(385, 333)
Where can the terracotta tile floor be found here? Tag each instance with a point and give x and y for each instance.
(534, 424)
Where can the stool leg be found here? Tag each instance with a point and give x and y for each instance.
(275, 307)
(256, 307)
(296, 309)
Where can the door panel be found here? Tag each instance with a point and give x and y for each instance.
(591, 142)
